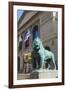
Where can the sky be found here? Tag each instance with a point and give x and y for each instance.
(19, 13)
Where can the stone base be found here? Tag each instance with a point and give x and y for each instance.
(39, 74)
(48, 74)
(44, 73)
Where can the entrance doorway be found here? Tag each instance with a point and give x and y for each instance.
(35, 32)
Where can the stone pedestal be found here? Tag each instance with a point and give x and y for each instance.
(48, 74)
(39, 74)
(43, 74)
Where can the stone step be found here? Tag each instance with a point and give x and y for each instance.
(23, 76)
